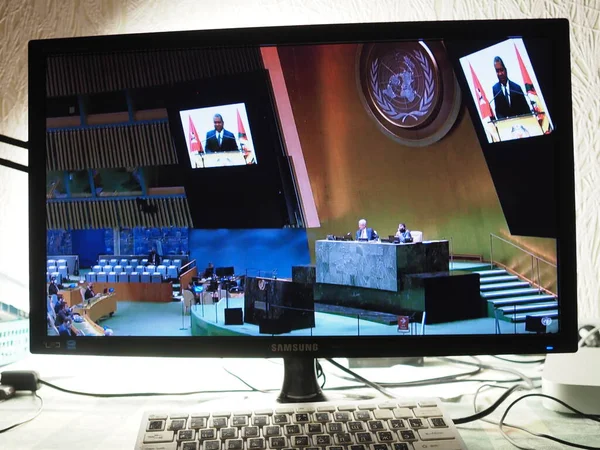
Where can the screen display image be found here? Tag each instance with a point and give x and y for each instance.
(350, 194)
(506, 91)
(216, 145)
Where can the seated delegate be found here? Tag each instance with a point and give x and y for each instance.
(403, 234)
(365, 233)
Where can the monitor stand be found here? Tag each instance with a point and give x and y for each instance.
(300, 382)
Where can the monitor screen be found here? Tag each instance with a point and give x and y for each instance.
(255, 148)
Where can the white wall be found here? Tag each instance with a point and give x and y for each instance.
(35, 19)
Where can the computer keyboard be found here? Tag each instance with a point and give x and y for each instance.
(359, 425)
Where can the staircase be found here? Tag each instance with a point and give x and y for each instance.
(513, 298)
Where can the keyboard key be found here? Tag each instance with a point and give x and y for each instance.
(417, 423)
(221, 414)
(300, 441)
(273, 430)
(383, 414)
(407, 435)
(400, 446)
(427, 412)
(326, 408)
(219, 422)
(305, 409)
(367, 406)
(158, 436)
(358, 447)
(211, 445)
(436, 434)
(437, 445)
(256, 443)
(177, 424)
(239, 421)
(179, 416)
(388, 405)
(260, 421)
(335, 427)
(314, 428)
(234, 444)
(198, 422)
(292, 429)
(156, 425)
(277, 442)
(228, 433)
(362, 415)
(343, 438)
(355, 426)
(341, 416)
(322, 440)
(403, 413)
(164, 446)
(407, 405)
(438, 422)
(364, 438)
(250, 432)
(376, 425)
(158, 417)
(322, 417)
(189, 445)
(302, 418)
(263, 412)
(280, 419)
(397, 424)
(335, 447)
(346, 408)
(207, 434)
(204, 415)
(385, 436)
(379, 447)
(284, 410)
(427, 403)
(186, 435)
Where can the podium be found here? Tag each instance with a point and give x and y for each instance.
(517, 127)
(219, 159)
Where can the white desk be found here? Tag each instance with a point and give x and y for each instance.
(70, 421)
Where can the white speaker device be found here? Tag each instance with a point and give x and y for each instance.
(574, 378)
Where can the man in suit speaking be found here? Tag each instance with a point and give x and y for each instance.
(220, 139)
(365, 233)
(509, 99)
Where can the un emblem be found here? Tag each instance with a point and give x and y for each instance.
(410, 90)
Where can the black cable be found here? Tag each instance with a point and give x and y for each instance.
(361, 379)
(138, 394)
(521, 361)
(13, 141)
(243, 381)
(488, 410)
(13, 165)
(37, 413)
(501, 423)
(320, 373)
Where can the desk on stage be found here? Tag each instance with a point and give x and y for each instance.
(138, 292)
(100, 307)
(377, 265)
(72, 296)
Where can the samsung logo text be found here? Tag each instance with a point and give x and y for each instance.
(294, 347)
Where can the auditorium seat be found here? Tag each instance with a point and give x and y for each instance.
(118, 269)
(56, 275)
(156, 277)
(112, 277)
(123, 277)
(145, 278)
(166, 262)
(61, 262)
(90, 277)
(52, 269)
(63, 272)
(128, 269)
(134, 263)
(113, 262)
(123, 262)
(48, 276)
(107, 268)
(171, 272)
(134, 277)
(50, 262)
(102, 277)
(417, 236)
(102, 262)
(97, 269)
(177, 263)
(162, 270)
(144, 262)
(151, 268)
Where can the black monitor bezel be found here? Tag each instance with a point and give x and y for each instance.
(555, 30)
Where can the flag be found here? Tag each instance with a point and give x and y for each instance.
(484, 106)
(195, 144)
(538, 106)
(243, 140)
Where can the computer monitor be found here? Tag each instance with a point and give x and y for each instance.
(462, 130)
(224, 272)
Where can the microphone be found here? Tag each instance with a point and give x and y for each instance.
(494, 97)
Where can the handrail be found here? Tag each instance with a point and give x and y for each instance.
(522, 249)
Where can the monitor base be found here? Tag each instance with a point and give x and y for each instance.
(573, 378)
(300, 382)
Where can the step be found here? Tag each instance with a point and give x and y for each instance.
(521, 317)
(498, 279)
(499, 286)
(509, 293)
(491, 272)
(530, 308)
(521, 300)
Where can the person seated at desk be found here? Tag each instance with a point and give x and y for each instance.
(153, 258)
(403, 234)
(209, 271)
(64, 329)
(89, 292)
(190, 287)
(63, 313)
(53, 287)
(364, 233)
